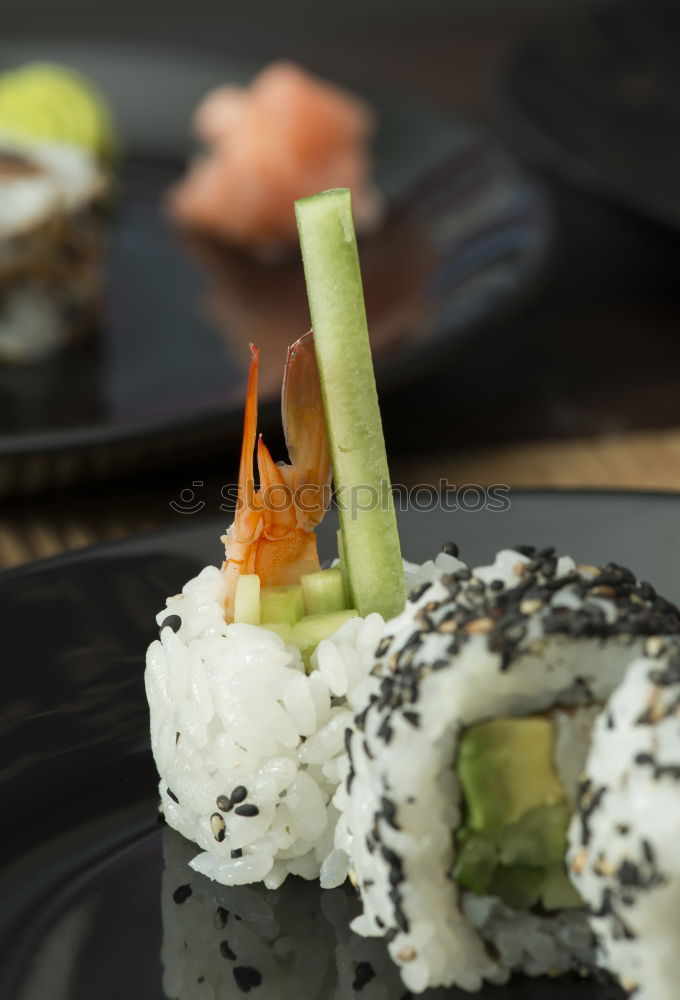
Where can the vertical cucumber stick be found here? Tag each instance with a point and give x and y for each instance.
(371, 551)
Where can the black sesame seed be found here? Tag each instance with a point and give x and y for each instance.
(237, 853)
(181, 893)
(246, 978)
(496, 585)
(249, 810)
(389, 811)
(385, 732)
(416, 594)
(239, 794)
(224, 803)
(226, 952)
(451, 549)
(363, 973)
(172, 796)
(220, 918)
(171, 621)
(629, 873)
(383, 646)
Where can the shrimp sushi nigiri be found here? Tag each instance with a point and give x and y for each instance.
(286, 136)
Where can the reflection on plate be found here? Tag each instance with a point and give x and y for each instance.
(596, 96)
(467, 231)
(87, 910)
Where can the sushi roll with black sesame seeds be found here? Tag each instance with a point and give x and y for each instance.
(623, 856)
(464, 760)
(56, 189)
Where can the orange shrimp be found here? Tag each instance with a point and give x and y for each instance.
(273, 530)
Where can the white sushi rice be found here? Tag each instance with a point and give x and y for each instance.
(400, 801)
(232, 707)
(624, 854)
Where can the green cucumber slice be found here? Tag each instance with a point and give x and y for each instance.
(372, 556)
(282, 629)
(309, 631)
(342, 565)
(323, 591)
(282, 604)
(247, 599)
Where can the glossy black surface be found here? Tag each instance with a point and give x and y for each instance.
(465, 235)
(81, 881)
(596, 95)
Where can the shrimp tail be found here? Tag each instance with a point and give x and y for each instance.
(304, 427)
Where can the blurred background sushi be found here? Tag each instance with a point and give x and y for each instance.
(56, 141)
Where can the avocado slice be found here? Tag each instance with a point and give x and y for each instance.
(538, 838)
(514, 840)
(476, 863)
(505, 767)
(519, 886)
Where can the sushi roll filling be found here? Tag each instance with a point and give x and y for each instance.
(516, 810)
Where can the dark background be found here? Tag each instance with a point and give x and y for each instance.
(595, 351)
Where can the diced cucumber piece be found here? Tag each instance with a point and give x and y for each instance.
(247, 599)
(282, 604)
(309, 631)
(369, 529)
(282, 629)
(323, 591)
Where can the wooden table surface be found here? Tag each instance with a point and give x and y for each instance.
(579, 388)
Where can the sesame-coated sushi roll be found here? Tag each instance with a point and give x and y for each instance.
(52, 232)
(463, 765)
(55, 189)
(624, 857)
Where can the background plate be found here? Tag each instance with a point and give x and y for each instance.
(596, 97)
(466, 234)
(81, 875)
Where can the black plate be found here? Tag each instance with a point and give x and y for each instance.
(81, 881)
(596, 96)
(466, 234)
